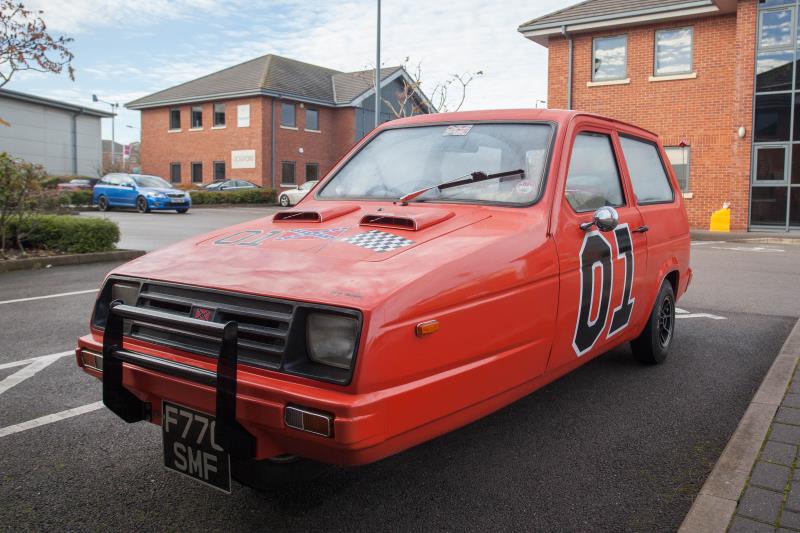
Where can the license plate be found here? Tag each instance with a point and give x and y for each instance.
(190, 446)
(178, 200)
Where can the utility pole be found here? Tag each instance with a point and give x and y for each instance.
(113, 114)
(378, 71)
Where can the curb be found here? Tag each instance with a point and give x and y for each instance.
(714, 507)
(34, 263)
(752, 237)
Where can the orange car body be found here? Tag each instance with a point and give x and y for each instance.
(499, 288)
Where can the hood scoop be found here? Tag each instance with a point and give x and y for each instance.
(411, 220)
(313, 215)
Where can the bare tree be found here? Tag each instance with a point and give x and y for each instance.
(25, 44)
(447, 95)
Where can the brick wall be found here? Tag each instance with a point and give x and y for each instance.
(161, 147)
(706, 111)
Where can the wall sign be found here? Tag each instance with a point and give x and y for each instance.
(243, 159)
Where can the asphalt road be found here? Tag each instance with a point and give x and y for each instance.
(614, 446)
(150, 231)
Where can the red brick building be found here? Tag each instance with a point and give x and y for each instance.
(714, 78)
(273, 121)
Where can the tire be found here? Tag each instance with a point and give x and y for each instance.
(141, 205)
(284, 200)
(652, 346)
(276, 472)
(182, 211)
(102, 204)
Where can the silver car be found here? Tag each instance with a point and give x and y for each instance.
(292, 196)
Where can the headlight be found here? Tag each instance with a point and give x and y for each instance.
(127, 292)
(153, 194)
(331, 339)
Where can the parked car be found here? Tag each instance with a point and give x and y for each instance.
(229, 186)
(292, 196)
(141, 191)
(450, 264)
(78, 184)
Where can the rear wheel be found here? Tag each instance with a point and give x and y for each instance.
(652, 346)
(102, 204)
(284, 200)
(276, 472)
(141, 205)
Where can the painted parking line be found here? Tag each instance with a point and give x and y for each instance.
(33, 367)
(49, 419)
(59, 295)
(683, 313)
(23, 362)
(749, 249)
(704, 243)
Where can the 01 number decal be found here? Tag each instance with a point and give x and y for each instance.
(596, 255)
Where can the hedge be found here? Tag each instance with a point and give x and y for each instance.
(250, 196)
(67, 233)
(75, 198)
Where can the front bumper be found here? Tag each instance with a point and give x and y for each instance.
(162, 203)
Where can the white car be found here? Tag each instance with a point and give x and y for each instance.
(293, 196)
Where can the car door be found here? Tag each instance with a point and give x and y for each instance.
(111, 190)
(601, 272)
(127, 191)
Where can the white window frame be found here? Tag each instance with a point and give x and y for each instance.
(655, 53)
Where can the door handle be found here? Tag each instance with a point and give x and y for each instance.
(641, 229)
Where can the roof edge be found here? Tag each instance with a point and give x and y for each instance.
(31, 98)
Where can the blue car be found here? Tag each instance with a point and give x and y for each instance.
(143, 192)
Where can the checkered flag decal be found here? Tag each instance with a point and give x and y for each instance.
(378, 241)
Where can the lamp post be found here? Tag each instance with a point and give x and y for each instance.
(540, 102)
(113, 114)
(378, 70)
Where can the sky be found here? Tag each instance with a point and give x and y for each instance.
(127, 49)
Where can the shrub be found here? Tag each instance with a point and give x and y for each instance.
(249, 196)
(75, 198)
(67, 233)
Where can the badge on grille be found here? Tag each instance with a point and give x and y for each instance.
(203, 313)
(378, 241)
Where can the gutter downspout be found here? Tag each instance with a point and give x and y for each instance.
(568, 37)
(74, 132)
(272, 155)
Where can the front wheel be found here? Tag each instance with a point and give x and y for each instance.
(276, 472)
(652, 346)
(141, 205)
(182, 211)
(284, 201)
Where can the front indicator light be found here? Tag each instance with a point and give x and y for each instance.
(427, 328)
(308, 421)
(331, 339)
(92, 360)
(126, 292)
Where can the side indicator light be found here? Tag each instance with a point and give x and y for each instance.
(92, 360)
(308, 421)
(426, 328)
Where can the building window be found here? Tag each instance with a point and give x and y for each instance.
(610, 58)
(175, 118)
(287, 115)
(674, 52)
(775, 29)
(219, 115)
(773, 112)
(287, 173)
(197, 172)
(774, 71)
(219, 170)
(648, 174)
(197, 116)
(312, 119)
(679, 157)
(312, 171)
(175, 172)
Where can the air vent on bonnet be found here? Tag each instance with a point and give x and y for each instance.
(313, 215)
(412, 220)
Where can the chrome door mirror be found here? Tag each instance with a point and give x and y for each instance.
(605, 219)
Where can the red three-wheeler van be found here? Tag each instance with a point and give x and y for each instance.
(448, 265)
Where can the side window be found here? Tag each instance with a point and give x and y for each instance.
(593, 179)
(650, 182)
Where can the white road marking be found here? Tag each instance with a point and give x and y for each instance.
(49, 419)
(683, 313)
(31, 369)
(59, 295)
(24, 362)
(748, 249)
(703, 243)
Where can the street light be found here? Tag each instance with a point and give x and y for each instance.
(540, 102)
(113, 114)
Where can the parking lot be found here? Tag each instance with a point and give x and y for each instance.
(611, 446)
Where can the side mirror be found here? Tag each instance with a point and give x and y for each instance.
(605, 219)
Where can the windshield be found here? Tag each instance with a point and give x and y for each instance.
(400, 161)
(151, 181)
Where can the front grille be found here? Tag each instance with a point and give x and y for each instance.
(264, 323)
(175, 194)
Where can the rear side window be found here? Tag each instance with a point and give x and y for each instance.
(650, 182)
(593, 179)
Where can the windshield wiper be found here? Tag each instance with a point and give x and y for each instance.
(466, 179)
